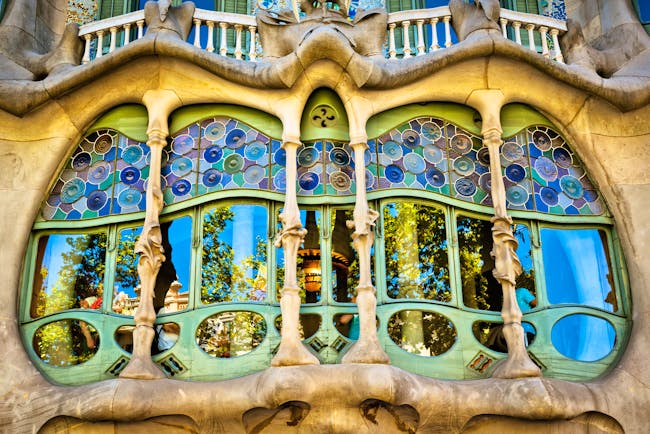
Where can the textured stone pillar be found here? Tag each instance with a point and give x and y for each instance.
(149, 245)
(506, 263)
(291, 351)
(367, 348)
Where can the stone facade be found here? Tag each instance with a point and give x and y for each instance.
(599, 99)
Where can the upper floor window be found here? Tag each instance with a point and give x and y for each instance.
(217, 294)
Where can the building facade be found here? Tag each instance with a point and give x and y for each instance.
(324, 217)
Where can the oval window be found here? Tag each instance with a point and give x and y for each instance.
(309, 324)
(491, 334)
(66, 342)
(583, 337)
(231, 334)
(422, 332)
(166, 336)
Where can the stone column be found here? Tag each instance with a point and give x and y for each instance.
(149, 247)
(506, 263)
(367, 348)
(291, 351)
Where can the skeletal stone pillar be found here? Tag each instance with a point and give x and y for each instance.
(149, 245)
(291, 351)
(367, 348)
(506, 269)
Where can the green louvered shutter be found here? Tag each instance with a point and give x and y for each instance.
(236, 7)
(405, 5)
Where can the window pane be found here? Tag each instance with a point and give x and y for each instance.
(69, 273)
(173, 280)
(231, 334)
(583, 337)
(308, 264)
(480, 289)
(577, 268)
(234, 254)
(345, 261)
(65, 343)
(416, 252)
(422, 332)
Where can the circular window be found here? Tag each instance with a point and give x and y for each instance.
(323, 116)
(231, 334)
(583, 337)
(423, 333)
(66, 342)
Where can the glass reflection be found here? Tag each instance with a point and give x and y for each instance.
(309, 324)
(583, 337)
(490, 334)
(234, 264)
(309, 271)
(345, 261)
(348, 325)
(577, 268)
(65, 343)
(165, 337)
(422, 332)
(231, 334)
(69, 273)
(416, 252)
(173, 280)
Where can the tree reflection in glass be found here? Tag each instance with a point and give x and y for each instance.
(65, 343)
(234, 266)
(173, 280)
(416, 252)
(231, 334)
(69, 273)
(432, 335)
(578, 268)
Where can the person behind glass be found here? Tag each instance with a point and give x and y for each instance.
(526, 301)
(352, 320)
(88, 303)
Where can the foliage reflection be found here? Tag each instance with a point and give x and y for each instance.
(234, 254)
(65, 343)
(231, 334)
(422, 332)
(416, 252)
(69, 273)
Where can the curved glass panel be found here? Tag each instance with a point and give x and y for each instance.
(491, 334)
(231, 334)
(309, 324)
(345, 260)
(173, 280)
(234, 266)
(423, 333)
(66, 342)
(416, 252)
(69, 273)
(583, 337)
(577, 268)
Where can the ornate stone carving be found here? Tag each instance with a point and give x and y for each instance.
(367, 349)
(506, 267)
(174, 21)
(291, 351)
(470, 17)
(151, 256)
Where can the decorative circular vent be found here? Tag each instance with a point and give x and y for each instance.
(324, 116)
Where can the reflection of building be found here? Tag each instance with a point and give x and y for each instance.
(438, 158)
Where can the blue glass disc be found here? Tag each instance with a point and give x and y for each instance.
(99, 172)
(255, 150)
(339, 157)
(464, 165)
(81, 161)
(461, 143)
(414, 163)
(181, 187)
(307, 157)
(280, 180)
(212, 154)
(394, 174)
(392, 149)
(435, 177)
(129, 175)
(254, 174)
(515, 173)
(465, 187)
(182, 166)
(132, 154)
(512, 151)
(431, 131)
(309, 181)
(233, 163)
(433, 154)
(129, 198)
(235, 138)
(562, 157)
(280, 157)
(549, 196)
(72, 190)
(182, 144)
(96, 200)
(211, 177)
(572, 187)
(517, 195)
(214, 131)
(546, 168)
(410, 138)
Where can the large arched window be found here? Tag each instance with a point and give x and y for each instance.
(217, 294)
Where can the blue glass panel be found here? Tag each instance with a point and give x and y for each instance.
(583, 337)
(577, 268)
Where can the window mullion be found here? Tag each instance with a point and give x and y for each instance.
(453, 257)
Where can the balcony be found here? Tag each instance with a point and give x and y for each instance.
(409, 33)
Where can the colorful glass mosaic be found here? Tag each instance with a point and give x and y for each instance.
(560, 183)
(515, 169)
(105, 175)
(216, 154)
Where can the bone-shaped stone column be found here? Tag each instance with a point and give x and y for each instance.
(506, 263)
(149, 247)
(291, 351)
(367, 348)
